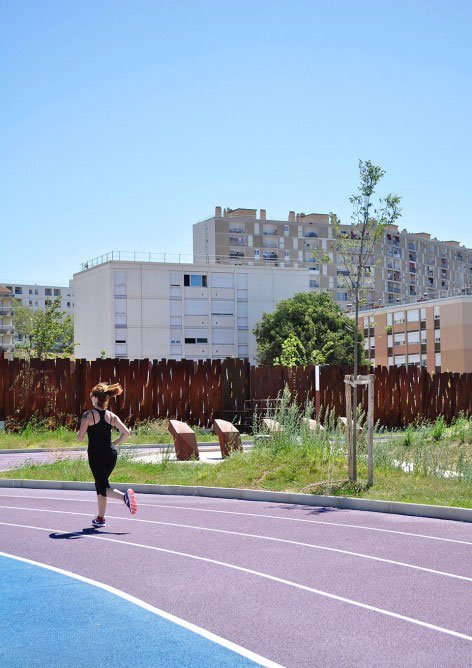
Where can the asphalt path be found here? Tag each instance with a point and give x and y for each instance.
(298, 586)
(10, 460)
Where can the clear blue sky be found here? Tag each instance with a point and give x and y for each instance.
(124, 122)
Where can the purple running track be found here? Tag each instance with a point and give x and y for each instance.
(299, 585)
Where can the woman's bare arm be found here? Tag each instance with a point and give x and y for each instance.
(122, 428)
(84, 423)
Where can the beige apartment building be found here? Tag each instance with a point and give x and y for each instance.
(6, 322)
(435, 334)
(409, 264)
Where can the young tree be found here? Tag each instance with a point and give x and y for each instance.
(355, 245)
(308, 328)
(44, 332)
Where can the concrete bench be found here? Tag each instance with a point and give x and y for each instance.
(343, 421)
(271, 425)
(228, 437)
(185, 443)
(313, 425)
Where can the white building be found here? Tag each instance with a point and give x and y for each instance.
(35, 296)
(170, 310)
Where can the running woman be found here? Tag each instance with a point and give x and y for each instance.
(98, 423)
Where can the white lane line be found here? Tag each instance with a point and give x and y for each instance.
(267, 576)
(238, 649)
(260, 537)
(235, 512)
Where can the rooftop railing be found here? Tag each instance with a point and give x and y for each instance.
(177, 258)
(412, 299)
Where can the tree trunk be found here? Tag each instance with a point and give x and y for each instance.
(354, 393)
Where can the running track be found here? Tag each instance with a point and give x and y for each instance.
(298, 586)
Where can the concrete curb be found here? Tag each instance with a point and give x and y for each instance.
(205, 445)
(344, 502)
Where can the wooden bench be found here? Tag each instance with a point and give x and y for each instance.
(313, 425)
(228, 437)
(185, 443)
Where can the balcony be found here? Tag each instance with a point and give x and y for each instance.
(236, 230)
(270, 232)
(7, 329)
(310, 233)
(6, 310)
(270, 243)
(270, 256)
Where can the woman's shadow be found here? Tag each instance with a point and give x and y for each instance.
(89, 531)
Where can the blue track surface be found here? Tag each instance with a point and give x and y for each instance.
(72, 623)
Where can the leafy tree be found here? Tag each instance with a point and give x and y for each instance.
(48, 332)
(308, 328)
(355, 248)
(22, 319)
(293, 353)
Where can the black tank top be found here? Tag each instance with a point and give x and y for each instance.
(99, 434)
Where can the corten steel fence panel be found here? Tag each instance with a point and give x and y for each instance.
(198, 392)
(235, 389)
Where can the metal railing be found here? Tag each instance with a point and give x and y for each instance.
(183, 258)
(413, 299)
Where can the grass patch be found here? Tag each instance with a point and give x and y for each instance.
(253, 470)
(36, 435)
(428, 464)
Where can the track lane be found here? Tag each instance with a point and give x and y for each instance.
(255, 536)
(435, 554)
(409, 593)
(264, 615)
(269, 611)
(371, 582)
(449, 531)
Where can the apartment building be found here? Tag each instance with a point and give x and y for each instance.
(405, 264)
(435, 334)
(146, 309)
(36, 296)
(6, 321)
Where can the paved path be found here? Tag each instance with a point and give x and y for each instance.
(299, 586)
(208, 453)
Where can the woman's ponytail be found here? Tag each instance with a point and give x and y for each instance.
(103, 392)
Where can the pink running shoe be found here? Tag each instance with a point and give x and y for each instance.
(131, 502)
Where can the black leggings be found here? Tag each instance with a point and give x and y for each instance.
(101, 465)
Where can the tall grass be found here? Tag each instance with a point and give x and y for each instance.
(430, 450)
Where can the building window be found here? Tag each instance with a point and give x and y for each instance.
(195, 280)
(57, 293)
(18, 291)
(191, 339)
(48, 292)
(30, 291)
(399, 339)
